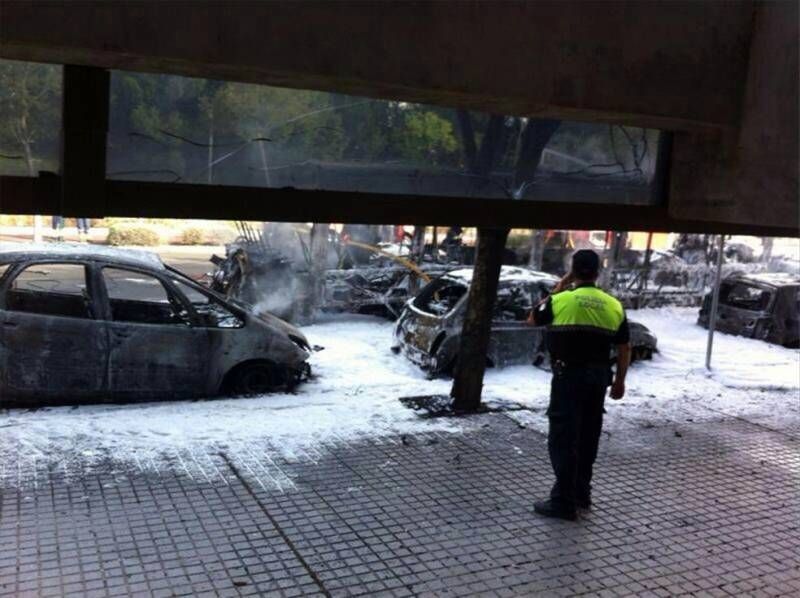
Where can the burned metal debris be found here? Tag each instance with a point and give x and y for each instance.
(375, 282)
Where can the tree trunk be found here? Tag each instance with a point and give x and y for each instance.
(537, 249)
(645, 274)
(467, 140)
(471, 364)
(418, 244)
(263, 151)
(618, 242)
(477, 327)
(319, 261)
(766, 253)
(211, 146)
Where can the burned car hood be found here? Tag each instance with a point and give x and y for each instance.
(281, 325)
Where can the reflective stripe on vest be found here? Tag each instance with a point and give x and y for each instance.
(589, 308)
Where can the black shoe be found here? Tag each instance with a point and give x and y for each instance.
(550, 509)
(584, 503)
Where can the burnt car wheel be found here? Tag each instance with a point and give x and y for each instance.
(255, 379)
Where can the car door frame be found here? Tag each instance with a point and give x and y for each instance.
(504, 332)
(223, 356)
(194, 320)
(96, 311)
(745, 322)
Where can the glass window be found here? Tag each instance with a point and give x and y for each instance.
(141, 298)
(440, 296)
(212, 313)
(515, 301)
(745, 296)
(50, 289)
(30, 117)
(184, 130)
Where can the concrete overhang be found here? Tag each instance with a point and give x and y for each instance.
(670, 65)
(723, 76)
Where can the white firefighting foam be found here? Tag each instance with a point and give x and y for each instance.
(358, 381)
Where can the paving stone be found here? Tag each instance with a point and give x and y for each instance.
(708, 513)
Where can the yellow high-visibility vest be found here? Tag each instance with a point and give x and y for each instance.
(587, 307)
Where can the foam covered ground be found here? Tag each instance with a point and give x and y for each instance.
(358, 381)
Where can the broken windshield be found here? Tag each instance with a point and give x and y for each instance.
(749, 297)
(516, 300)
(211, 313)
(440, 296)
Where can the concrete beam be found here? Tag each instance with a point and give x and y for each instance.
(723, 75)
(750, 175)
(27, 195)
(672, 65)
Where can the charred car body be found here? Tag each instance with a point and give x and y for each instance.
(79, 323)
(429, 329)
(263, 277)
(761, 306)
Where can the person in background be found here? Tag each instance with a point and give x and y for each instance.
(57, 225)
(83, 228)
(583, 323)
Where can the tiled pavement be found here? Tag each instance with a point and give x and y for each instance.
(711, 509)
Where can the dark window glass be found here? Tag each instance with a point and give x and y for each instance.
(745, 296)
(440, 296)
(50, 289)
(30, 117)
(141, 298)
(184, 130)
(515, 300)
(211, 312)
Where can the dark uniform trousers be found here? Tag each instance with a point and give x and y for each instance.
(577, 395)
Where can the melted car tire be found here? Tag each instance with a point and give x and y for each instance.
(256, 379)
(640, 354)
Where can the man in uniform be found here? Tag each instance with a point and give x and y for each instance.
(583, 324)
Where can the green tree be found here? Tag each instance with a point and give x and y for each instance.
(30, 104)
(288, 124)
(426, 136)
(30, 120)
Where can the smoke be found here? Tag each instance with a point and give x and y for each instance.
(282, 300)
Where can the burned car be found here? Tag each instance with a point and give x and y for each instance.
(429, 329)
(90, 323)
(761, 306)
(264, 277)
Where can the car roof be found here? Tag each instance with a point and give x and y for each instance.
(507, 274)
(11, 252)
(774, 279)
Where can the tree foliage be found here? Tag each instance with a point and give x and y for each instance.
(172, 128)
(30, 105)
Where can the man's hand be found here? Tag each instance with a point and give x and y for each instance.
(618, 389)
(567, 280)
